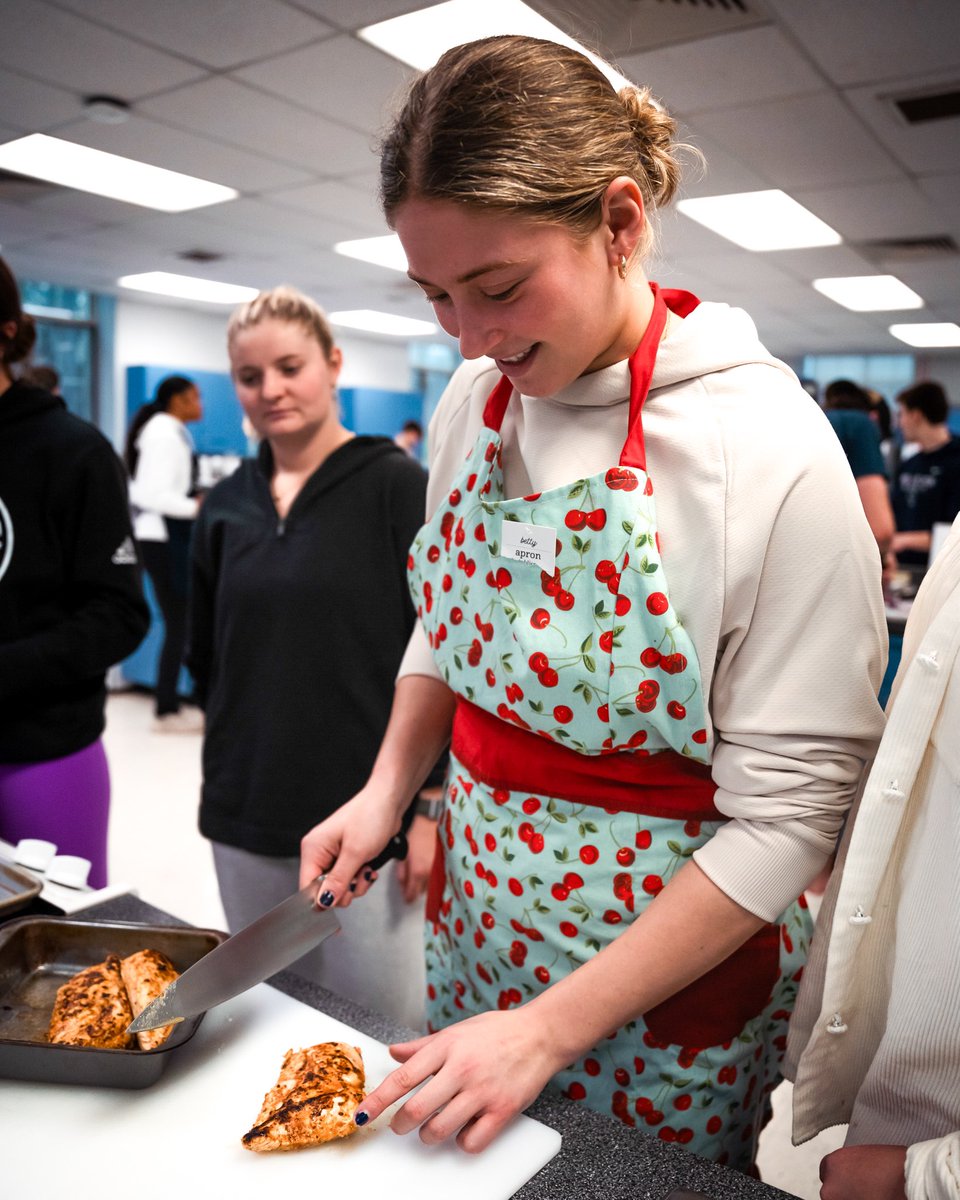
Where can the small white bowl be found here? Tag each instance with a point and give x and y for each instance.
(69, 870)
(34, 853)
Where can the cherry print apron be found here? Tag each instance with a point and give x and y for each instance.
(579, 782)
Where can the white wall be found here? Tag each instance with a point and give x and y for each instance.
(193, 340)
(945, 369)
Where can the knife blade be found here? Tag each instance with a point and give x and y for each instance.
(253, 954)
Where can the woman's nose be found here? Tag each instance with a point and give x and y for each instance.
(475, 334)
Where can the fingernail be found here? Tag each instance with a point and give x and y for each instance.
(326, 899)
(362, 1118)
(368, 875)
(353, 887)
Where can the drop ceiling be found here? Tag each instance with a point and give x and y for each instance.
(281, 100)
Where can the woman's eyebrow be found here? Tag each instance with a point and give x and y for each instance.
(482, 270)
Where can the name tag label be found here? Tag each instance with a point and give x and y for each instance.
(535, 544)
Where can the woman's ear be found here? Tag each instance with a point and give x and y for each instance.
(624, 220)
(335, 363)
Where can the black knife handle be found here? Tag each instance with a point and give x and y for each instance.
(395, 848)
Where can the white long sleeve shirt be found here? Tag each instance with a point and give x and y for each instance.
(163, 479)
(875, 1039)
(770, 564)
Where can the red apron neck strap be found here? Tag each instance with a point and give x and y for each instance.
(497, 403)
(642, 362)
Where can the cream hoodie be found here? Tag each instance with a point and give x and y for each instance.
(769, 562)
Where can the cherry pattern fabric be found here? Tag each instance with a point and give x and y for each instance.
(535, 886)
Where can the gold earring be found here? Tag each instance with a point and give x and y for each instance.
(622, 266)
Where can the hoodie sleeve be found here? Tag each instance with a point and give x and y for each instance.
(108, 615)
(933, 1169)
(163, 473)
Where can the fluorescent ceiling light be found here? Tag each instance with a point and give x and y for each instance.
(88, 170)
(419, 38)
(383, 251)
(869, 293)
(930, 333)
(187, 287)
(768, 220)
(379, 322)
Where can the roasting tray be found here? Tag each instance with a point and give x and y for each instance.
(17, 889)
(38, 954)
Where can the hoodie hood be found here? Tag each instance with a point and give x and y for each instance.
(353, 456)
(21, 401)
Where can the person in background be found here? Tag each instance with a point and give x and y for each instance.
(42, 376)
(882, 417)
(160, 460)
(875, 1039)
(926, 490)
(848, 409)
(410, 438)
(657, 656)
(71, 605)
(299, 619)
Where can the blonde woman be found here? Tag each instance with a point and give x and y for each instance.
(299, 619)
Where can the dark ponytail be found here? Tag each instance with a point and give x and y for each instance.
(16, 348)
(167, 388)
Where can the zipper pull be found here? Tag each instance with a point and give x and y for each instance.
(281, 528)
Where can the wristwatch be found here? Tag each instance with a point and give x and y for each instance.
(429, 808)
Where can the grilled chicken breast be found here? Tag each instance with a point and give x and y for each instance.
(314, 1099)
(92, 1009)
(146, 976)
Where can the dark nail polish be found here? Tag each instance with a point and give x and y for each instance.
(353, 887)
(326, 899)
(368, 875)
(362, 1118)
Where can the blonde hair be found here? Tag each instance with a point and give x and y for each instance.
(284, 303)
(527, 126)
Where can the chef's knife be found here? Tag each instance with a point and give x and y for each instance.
(253, 954)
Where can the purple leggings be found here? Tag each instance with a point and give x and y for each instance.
(65, 801)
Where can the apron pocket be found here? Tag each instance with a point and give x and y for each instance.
(716, 1007)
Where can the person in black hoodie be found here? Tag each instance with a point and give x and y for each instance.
(71, 605)
(299, 617)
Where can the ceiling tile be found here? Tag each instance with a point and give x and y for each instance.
(61, 48)
(926, 147)
(323, 78)
(685, 77)
(360, 12)
(244, 116)
(943, 191)
(217, 33)
(808, 141)
(334, 200)
(33, 107)
(896, 209)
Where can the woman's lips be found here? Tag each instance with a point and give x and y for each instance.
(516, 364)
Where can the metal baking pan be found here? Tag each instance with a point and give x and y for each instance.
(38, 954)
(17, 889)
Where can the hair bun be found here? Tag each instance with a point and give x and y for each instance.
(655, 133)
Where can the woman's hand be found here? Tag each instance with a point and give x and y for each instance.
(413, 872)
(340, 846)
(485, 1070)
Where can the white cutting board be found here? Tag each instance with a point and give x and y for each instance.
(181, 1136)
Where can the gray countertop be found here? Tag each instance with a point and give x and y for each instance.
(600, 1158)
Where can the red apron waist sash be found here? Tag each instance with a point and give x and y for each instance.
(500, 755)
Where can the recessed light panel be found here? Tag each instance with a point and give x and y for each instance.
(419, 38)
(869, 293)
(379, 322)
(70, 165)
(928, 334)
(768, 220)
(187, 287)
(384, 251)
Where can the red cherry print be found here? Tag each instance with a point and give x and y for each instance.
(622, 1076)
(514, 692)
(589, 855)
(674, 664)
(657, 604)
(613, 583)
(605, 641)
(648, 489)
(559, 892)
(591, 1066)
(490, 842)
(483, 973)
(518, 954)
(575, 519)
(643, 839)
(550, 584)
(576, 1091)
(654, 1117)
(455, 497)
(473, 654)
(666, 1134)
(597, 519)
(562, 714)
(504, 578)
(620, 479)
(564, 600)
(446, 523)
(787, 939)
(480, 533)
(637, 738)
(433, 554)
(538, 661)
(548, 677)
(459, 535)
(699, 736)
(622, 606)
(643, 1104)
(486, 632)
(487, 920)
(468, 887)
(683, 1102)
(479, 937)
(458, 927)
(572, 880)
(542, 974)
(540, 618)
(650, 657)
(692, 829)
(537, 843)
(525, 832)
(676, 710)
(612, 917)
(652, 884)
(603, 712)
(647, 693)
(491, 678)
(605, 569)
(568, 929)
(714, 1125)
(639, 1065)
(625, 856)
(471, 481)
(469, 567)
(531, 805)
(684, 1135)
(447, 583)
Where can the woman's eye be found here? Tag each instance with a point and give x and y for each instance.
(504, 295)
(439, 299)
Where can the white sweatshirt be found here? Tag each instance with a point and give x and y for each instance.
(161, 485)
(770, 565)
(875, 1039)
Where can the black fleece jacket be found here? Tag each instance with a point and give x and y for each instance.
(71, 602)
(297, 629)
